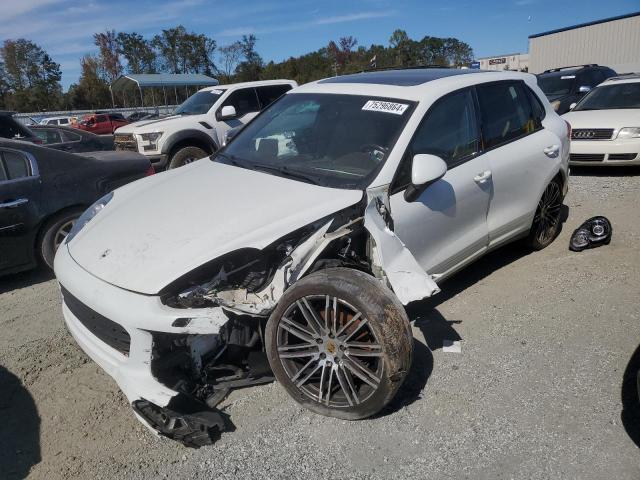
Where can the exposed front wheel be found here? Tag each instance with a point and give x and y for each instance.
(54, 233)
(185, 156)
(546, 222)
(340, 343)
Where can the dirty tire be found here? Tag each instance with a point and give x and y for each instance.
(386, 332)
(186, 155)
(546, 222)
(53, 233)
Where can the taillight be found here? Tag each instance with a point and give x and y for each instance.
(150, 171)
(568, 129)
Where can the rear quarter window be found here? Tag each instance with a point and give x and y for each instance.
(15, 165)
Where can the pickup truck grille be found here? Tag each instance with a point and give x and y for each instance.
(591, 133)
(126, 142)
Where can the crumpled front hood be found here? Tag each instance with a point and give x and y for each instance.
(156, 230)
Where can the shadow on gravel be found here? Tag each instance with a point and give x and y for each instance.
(25, 279)
(630, 415)
(617, 171)
(20, 428)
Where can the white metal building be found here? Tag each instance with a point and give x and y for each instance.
(511, 61)
(614, 42)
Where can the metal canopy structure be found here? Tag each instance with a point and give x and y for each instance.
(160, 80)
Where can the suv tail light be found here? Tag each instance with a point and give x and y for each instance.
(150, 171)
(568, 129)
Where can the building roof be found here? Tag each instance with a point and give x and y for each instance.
(581, 25)
(401, 78)
(501, 56)
(144, 80)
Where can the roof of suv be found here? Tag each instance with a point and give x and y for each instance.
(402, 78)
(627, 78)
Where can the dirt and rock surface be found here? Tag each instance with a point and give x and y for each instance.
(537, 391)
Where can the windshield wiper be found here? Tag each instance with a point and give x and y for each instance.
(233, 160)
(287, 172)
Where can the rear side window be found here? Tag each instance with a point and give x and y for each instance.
(506, 112)
(70, 136)
(101, 118)
(64, 121)
(15, 165)
(9, 128)
(538, 110)
(48, 135)
(268, 95)
(590, 78)
(244, 101)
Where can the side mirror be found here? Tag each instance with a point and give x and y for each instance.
(227, 112)
(572, 106)
(230, 134)
(584, 89)
(425, 170)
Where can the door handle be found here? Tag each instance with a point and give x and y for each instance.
(552, 151)
(14, 203)
(482, 177)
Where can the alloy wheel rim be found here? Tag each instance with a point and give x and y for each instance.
(329, 351)
(547, 215)
(62, 233)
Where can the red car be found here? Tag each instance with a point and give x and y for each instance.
(102, 123)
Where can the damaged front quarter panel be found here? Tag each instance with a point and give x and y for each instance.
(391, 259)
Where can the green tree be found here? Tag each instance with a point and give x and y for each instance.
(229, 56)
(30, 77)
(91, 91)
(109, 56)
(184, 52)
(251, 67)
(138, 52)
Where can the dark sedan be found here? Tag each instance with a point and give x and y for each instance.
(43, 191)
(72, 139)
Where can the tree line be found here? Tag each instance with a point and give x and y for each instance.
(30, 78)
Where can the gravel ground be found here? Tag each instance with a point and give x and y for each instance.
(536, 391)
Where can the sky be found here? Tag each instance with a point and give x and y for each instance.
(285, 28)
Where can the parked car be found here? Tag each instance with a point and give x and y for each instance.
(102, 123)
(72, 139)
(567, 85)
(343, 201)
(606, 124)
(57, 121)
(12, 129)
(43, 192)
(198, 126)
(137, 116)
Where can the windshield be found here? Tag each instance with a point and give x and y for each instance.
(557, 83)
(623, 95)
(198, 103)
(332, 140)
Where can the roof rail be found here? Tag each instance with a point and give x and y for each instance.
(624, 76)
(413, 67)
(571, 66)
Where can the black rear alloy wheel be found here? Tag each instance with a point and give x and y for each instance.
(546, 221)
(340, 343)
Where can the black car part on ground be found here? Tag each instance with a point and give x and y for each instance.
(196, 429)
(592, 233)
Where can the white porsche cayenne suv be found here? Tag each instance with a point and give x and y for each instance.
(292, 252)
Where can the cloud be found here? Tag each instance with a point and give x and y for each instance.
(15, 8)
(247, 30)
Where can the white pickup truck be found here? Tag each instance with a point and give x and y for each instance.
(198, 126)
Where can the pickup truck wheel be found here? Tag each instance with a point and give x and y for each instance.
(186, 155)
(340, 343)
(53, 234)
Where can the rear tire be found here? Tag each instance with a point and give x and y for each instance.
(349, 364)
(53, 234)
(546, 221)
(186, 155)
